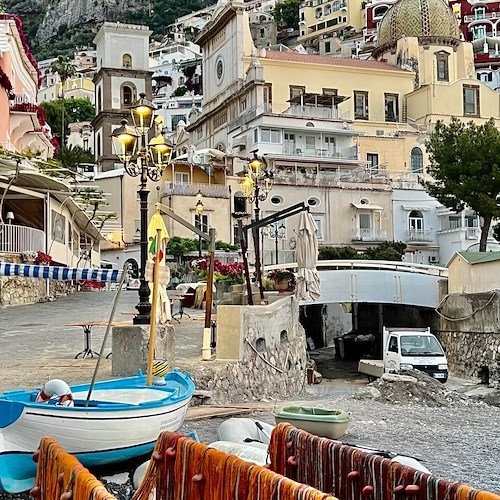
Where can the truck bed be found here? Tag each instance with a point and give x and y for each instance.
(371, 367)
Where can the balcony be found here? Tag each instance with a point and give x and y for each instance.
(419, 236)
(207, 190)
(333, 153)
(486, 15)
(366, 234)
(17, 239)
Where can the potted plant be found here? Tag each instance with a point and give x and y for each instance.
(43, 258)
(283, 279)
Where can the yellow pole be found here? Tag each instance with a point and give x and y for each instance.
(152, 330)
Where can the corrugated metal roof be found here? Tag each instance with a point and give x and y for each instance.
(480, 257)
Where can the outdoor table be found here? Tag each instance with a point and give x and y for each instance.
(87, 336)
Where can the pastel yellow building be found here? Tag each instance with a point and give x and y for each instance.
(319, 19)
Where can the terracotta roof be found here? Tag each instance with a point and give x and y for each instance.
(334, 61)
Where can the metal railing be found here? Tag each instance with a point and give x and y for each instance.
(422, 235)
(364, 234)
(17, 239)
(207, 190)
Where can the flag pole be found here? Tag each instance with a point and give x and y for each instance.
(154, 303)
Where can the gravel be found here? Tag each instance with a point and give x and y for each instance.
(455, 436)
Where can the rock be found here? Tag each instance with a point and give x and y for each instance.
(396, 377)
(139, 474)
(121, 478)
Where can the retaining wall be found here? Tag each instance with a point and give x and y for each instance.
(21, 291)
(470, 334)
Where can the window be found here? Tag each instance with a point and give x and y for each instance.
(442, 67)
(277, 200)
(360, 105)
(327, 47)
(262, 32)
(181, 178)
(127, 61)
(319, 224)
(313, 201)
(318, 13)
(415, 221)
(393, 344)
(372, 159)
(271, 135)
(379, 11)
(58, 227)
(331, 92)
(479, 13)
(128, 95)
(471, 100)
(268, 94)
(240, 203)
(327, 10)
(289, 144)
(181, 81)
(296, 91)
(417, 161)
(201, 221)
(99, 99)
(176, 119)
(479, 32)
(391, 107)
(310, 144)
(329, 145)
(365, 224)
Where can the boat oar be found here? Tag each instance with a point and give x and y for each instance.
(154, 302)
(108, 329)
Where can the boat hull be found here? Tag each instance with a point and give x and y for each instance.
(100, 435)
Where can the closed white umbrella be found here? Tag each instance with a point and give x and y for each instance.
(308, 281)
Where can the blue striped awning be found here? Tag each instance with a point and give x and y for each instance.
(60, 273)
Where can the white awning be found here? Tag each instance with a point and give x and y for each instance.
(409, 208)
(366, 206)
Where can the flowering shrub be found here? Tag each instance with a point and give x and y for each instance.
(231, 273)
(5, 83)
(282, 274)
(43, 258)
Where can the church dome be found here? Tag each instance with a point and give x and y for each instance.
(417, 18)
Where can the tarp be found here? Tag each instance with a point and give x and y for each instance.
(60, 273)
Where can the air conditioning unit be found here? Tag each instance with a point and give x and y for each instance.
(433, 259)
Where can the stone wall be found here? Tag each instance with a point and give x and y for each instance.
(21, 291)
(470, 334)
(271, 361)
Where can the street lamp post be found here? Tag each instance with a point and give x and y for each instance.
(147, 160)
(255, 186)
(278, 233)
(199, 211)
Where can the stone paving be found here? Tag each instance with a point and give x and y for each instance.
(36, 344)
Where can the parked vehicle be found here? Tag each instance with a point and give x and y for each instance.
(407, 349)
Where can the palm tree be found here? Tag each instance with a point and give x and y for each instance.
(65, 69)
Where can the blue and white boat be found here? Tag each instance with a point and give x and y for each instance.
(122, 420)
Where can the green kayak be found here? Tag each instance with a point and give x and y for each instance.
(322, 422)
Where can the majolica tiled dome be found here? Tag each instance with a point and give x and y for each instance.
(418, 18)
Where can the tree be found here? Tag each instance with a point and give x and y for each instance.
(387, 250)
(71, 156)
(287, 13)
(75, 110)
(464, 164)
(65, 69)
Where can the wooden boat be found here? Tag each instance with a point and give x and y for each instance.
(122, 421)
(322, 422)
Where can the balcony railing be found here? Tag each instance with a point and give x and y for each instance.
(24, 107)
(207, 190)
(17, 239)
(486, 15)
(333, 153)
(419, 235)
(362, 234)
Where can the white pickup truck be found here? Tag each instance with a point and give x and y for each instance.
(407, 349)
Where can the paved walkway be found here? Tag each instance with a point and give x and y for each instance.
(36, 344)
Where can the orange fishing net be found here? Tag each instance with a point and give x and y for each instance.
(182, 469)
(61, 476)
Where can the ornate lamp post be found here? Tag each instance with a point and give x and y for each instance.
(199, 209)
(147, 160)
(278, 233)
(255, 186)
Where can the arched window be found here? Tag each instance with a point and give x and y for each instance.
(380, 11)
(327, 9)
(98, 144)
(127, 61)
(417, 161)
(99, 100)
(318, 13)
(415, 221)
(240, 203)
(128, 94)
(181, 81)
